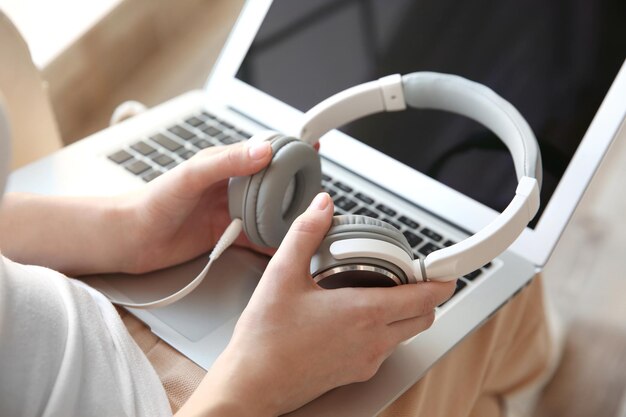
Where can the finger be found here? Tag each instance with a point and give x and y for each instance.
(306, 234)
(209, 167)
(408, 301)
(402, 330)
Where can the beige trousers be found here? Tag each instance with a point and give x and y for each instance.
(505, 355)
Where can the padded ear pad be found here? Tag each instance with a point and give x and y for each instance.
(351, 225)
(269, 201)
(356, 227)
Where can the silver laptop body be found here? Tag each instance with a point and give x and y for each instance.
(312, 50)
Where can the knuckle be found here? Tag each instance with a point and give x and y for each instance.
(451, 288)
(429, 319)
(372, 359)
(232, 156)
(429, 301)
(304, 224)
(188, 173)
(367, 315)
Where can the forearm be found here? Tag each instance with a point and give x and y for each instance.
(226, 391)
(74, 235)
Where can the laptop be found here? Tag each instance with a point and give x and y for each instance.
(437, 177)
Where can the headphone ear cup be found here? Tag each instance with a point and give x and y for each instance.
(329, 272)
(269, 201)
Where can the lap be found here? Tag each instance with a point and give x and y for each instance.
(503, 356)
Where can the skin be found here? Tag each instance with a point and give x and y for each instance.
(174, 218)
(273, 363)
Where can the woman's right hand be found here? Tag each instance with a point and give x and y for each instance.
(295, 340)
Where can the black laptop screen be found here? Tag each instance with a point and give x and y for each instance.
(554, 60)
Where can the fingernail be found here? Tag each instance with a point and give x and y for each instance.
(320, 202)
(259, 150)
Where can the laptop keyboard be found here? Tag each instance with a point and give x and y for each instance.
(151, 156)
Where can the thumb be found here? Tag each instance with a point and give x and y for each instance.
(306, 234)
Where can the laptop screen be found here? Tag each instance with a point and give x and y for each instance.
(553, 60)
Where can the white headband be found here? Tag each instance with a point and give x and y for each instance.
(457, 95)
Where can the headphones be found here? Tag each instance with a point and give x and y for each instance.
(362, 251)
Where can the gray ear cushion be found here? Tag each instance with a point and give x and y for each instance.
(356, 226)
(264, 221)
(238, 186)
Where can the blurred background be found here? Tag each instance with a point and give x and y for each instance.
(94, 55)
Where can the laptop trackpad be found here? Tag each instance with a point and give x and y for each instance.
(220, 298)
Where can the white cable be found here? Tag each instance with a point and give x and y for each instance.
(230, 235)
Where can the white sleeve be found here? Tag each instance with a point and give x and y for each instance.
(65, 351)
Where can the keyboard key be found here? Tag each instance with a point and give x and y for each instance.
(460, 284)
(151, 175)
(243, 133)
(388, 211)
(433, 235)
(162, 159)
(201, 143)
(412, 238)
(166, 142)
(488, 265)
(408, 222)
(448, 243)
(212, 131)
(326, 177)
(143, 148)
(240, 138)
(345, 203)
(181, 132)
(137, 167)
(120, 157)
(343, 187)
(473, 275)
(391, 222)
(365, 199)
(224, 123)
(363, 211)
(428, 248)
(194, 121)
(207, 115)
(186, 154)
(332, 193)
(227, 139)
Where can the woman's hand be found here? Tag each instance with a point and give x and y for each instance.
(295, 340)
(183, 213)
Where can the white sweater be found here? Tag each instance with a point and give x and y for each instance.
(64, 351)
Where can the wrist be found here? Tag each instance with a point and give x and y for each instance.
(120, 221)
(228, 390)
